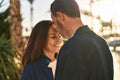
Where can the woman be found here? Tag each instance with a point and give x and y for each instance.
(44, 43)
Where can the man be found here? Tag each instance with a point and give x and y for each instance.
(85, 56)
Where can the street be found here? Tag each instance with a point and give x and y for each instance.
(116, 60)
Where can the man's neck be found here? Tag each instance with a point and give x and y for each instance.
(74, 25)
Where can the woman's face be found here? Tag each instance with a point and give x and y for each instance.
(54, 40)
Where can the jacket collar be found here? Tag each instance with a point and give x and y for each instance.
(82, 29)
(45, 60)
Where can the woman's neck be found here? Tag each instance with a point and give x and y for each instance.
(50, 55)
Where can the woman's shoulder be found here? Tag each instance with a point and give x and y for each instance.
(31, 70)
(32, 66)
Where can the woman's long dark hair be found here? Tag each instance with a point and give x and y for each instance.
(37, 42)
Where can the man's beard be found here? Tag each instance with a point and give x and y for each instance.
(61, 29)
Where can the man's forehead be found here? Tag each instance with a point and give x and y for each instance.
(52, 16)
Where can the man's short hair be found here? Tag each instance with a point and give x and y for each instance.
(68, 7)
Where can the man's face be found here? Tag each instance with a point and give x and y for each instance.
(59, 25)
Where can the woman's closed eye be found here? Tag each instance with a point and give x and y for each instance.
(53, 36)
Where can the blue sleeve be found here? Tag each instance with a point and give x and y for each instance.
(26, 75)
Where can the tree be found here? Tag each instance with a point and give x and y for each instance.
(8, 67)
(4, 20)
(5, 24)
(31, 10)
(16, 28)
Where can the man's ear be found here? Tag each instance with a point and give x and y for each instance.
(60, 16)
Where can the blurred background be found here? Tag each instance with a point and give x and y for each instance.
(18, 17)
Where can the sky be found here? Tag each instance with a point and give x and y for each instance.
(107, 9)
(40, 11)
(4, 5)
